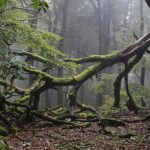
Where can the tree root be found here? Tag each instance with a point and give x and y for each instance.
(111, 122)
(146, 118)
(128, 135)
(57, 121)
(84, 107)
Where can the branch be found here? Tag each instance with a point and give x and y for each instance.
(148, 51)
(148, 2)
(108, 60)
(24, 9)
(130, 51)
(117, 84)
(33, 56)
(12, 87)
(103, 61)
(93, 58)
(16, 104)
(37, 72)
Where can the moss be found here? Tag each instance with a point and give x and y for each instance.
(58, 112)
(84, 107)
(128, 135)
(11, 91)
(88, 72)
(3, 131)
(111, 122)
(84, 75)
(37, 72)
(23, 99)
(87, 115)
(45, 115)
(34, 56)
(14, 130)
(94, 58)
(54, 108)
(147, 118)
(3, 146)
(24, 119)
(83, 115)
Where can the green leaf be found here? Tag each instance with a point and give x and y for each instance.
(1, 4)
(35, 4)
(40, 5)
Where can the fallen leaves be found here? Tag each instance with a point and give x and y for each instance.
(34, 137)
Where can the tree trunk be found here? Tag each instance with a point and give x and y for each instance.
(33, 24)
(142, 80)
(61, 46)
(130, 103)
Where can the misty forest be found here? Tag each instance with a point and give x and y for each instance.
(74, 74)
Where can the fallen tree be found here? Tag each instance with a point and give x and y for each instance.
(29, 98)
(129, 56)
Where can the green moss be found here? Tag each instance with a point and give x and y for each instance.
(83, 115)
(87, 115)
(23, 99)
(14, 130)
(3, 131)
(3, 144)
(94, 58)
(45, 115)
(111, 122)
(88, 72)
(147, 117)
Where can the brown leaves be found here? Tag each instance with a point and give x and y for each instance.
(57, 137)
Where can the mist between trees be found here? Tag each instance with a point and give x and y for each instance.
(66, 52)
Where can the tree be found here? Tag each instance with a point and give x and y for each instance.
(148, 2)
(16, 30)
(64, 8)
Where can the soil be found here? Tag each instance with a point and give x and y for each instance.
(40, 135)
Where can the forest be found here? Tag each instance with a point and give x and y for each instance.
(74, 74)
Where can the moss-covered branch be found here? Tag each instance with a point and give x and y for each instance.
(93, 58)
(142, 43)
(57, 121)
(44, 81)
(11, 88)
(117, 84)
(84, 107)
(106, 61)
(33, 56)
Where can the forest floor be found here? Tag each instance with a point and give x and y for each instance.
(135, 136)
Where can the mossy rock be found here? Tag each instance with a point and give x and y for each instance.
(3, 131)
